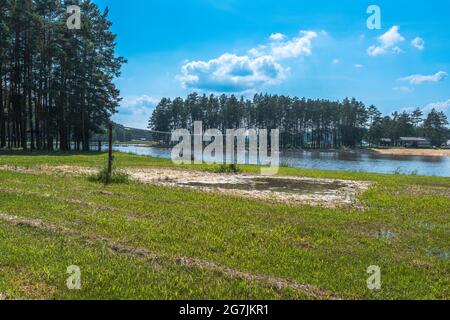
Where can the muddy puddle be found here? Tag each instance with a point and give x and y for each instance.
(386, 234)
(274, 185)
(440, 254)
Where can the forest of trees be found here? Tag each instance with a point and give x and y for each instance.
(56, 83)
(303, 123)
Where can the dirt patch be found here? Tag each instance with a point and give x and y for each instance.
(22, 192)
(26, 285)
(329, 193)
(45, 169)
(120, 248)
(33, 287)
(35, 223)
(80, 203)
(292, 190)
(423, 191)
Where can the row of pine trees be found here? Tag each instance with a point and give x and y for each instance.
(56, 83)
(303, 123)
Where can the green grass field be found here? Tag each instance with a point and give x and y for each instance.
(136, 241)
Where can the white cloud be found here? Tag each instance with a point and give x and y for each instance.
(375, 51)
(277, 36)
(335, 61)
(403, 89)
(391, 37)
(135, 111)
(299, 46)
(419, 79)
(143, 101)
(387, 43)
(238, 73)
(358, 66)
(418, 43)
(232, 73)
(258, 51)
(397, 50)
(439, 106)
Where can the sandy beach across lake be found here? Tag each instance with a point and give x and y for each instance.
(414, 152)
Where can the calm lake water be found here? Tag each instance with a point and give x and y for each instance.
(338, 160)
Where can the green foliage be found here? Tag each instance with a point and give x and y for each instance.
(434, 127)
(125, 134)
(104, 177)
(73, 69)
(303, 123)
(228, 168)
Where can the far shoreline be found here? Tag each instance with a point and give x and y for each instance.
(412, 152)
(377, 151)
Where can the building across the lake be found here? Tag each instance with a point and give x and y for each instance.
(413, 142)
(385, 142)
(446, 145)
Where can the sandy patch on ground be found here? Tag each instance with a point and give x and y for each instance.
(329, 193)
(45, 169)
(414, 152)
(340, 193)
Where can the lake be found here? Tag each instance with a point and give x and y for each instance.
(337, 160)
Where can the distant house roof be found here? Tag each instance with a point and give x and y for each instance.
(385, 140)
(414, 139)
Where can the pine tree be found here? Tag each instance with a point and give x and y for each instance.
(56, 84)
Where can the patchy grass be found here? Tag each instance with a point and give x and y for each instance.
(104, 177)
(227, 168)
(135, 241)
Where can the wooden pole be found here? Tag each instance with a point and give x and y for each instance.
(110, 152)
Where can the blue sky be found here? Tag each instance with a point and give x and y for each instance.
(313, 49)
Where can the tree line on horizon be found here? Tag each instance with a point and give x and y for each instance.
(303, 123)
(56, 84)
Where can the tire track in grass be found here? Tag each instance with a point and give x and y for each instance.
(140, 252)
(82, 203)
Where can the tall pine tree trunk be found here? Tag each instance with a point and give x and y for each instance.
(2, 114)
